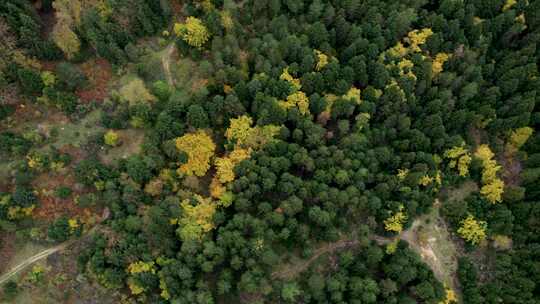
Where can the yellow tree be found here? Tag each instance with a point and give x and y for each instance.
(519, 136)
(66, 39)
(193, 32)
(244, 135)
(197, 219)
(225, 165)
(110, 138)
(290, 79)
(493, 186)
(297, 99)
(417, 38)
(438, 62)
(68, 16)
(322, 60)
(239, 129)
(472, 230)
(460, 157)
(395, 222)
(199, 148)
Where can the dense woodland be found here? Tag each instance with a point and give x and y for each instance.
(315, 122)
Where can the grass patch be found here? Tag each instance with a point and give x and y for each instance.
(131, 144)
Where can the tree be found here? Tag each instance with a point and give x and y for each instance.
(395, 222)
(519, 136)
(193, 32)
(66, 39)
(68, 16)
(10, 289)
(472, 230)
(110, 138)
(197, 218)
(197, 117)
(199, 148)
(290, 291)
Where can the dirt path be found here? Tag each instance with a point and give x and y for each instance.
(5, 277)
(166, 61)
(292, 270)
(45, 253)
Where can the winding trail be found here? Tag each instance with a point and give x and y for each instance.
(166, 62)
(45, 253)
(29, 261)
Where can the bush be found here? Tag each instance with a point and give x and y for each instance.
(62, 192)
(30, 81)
(10, 290)
(70, 76)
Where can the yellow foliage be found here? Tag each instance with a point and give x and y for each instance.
(196, 220)
(502, 242)
(354, 94)
(227, 89)
(508, 5)
(35, 161)
(226, 20)
(392, 246)
(416, 38)
(438, 62)
(48, 78)
(463, 164)
(519, 136)
(225, 165)
(290, 79)
(398, 51)
(135, 91)
(395, 222)
(104, 9)
(322, 60)
(472, 230)
(111, 138)
(438, 178)
(193, 32)
(68, 16)
(493, 186)
(455, 152)
(199, 148)
(450, 297)
(66, 39)
(73, 224)
(164, 291)
(134, 287)
(493, 191)
(239, 129)
(405, 64)
(521, 19)
(477, 20)
(17, 212)
(154, 187)
(140, 266)
(402, 173)
(484, 153)
(216, 188)
(425, 180)
(297, 99)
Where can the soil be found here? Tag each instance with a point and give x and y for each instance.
(98, 72)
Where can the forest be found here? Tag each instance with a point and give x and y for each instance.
(270, 151)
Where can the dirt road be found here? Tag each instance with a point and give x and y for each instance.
(8, 275)
(166, 61)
